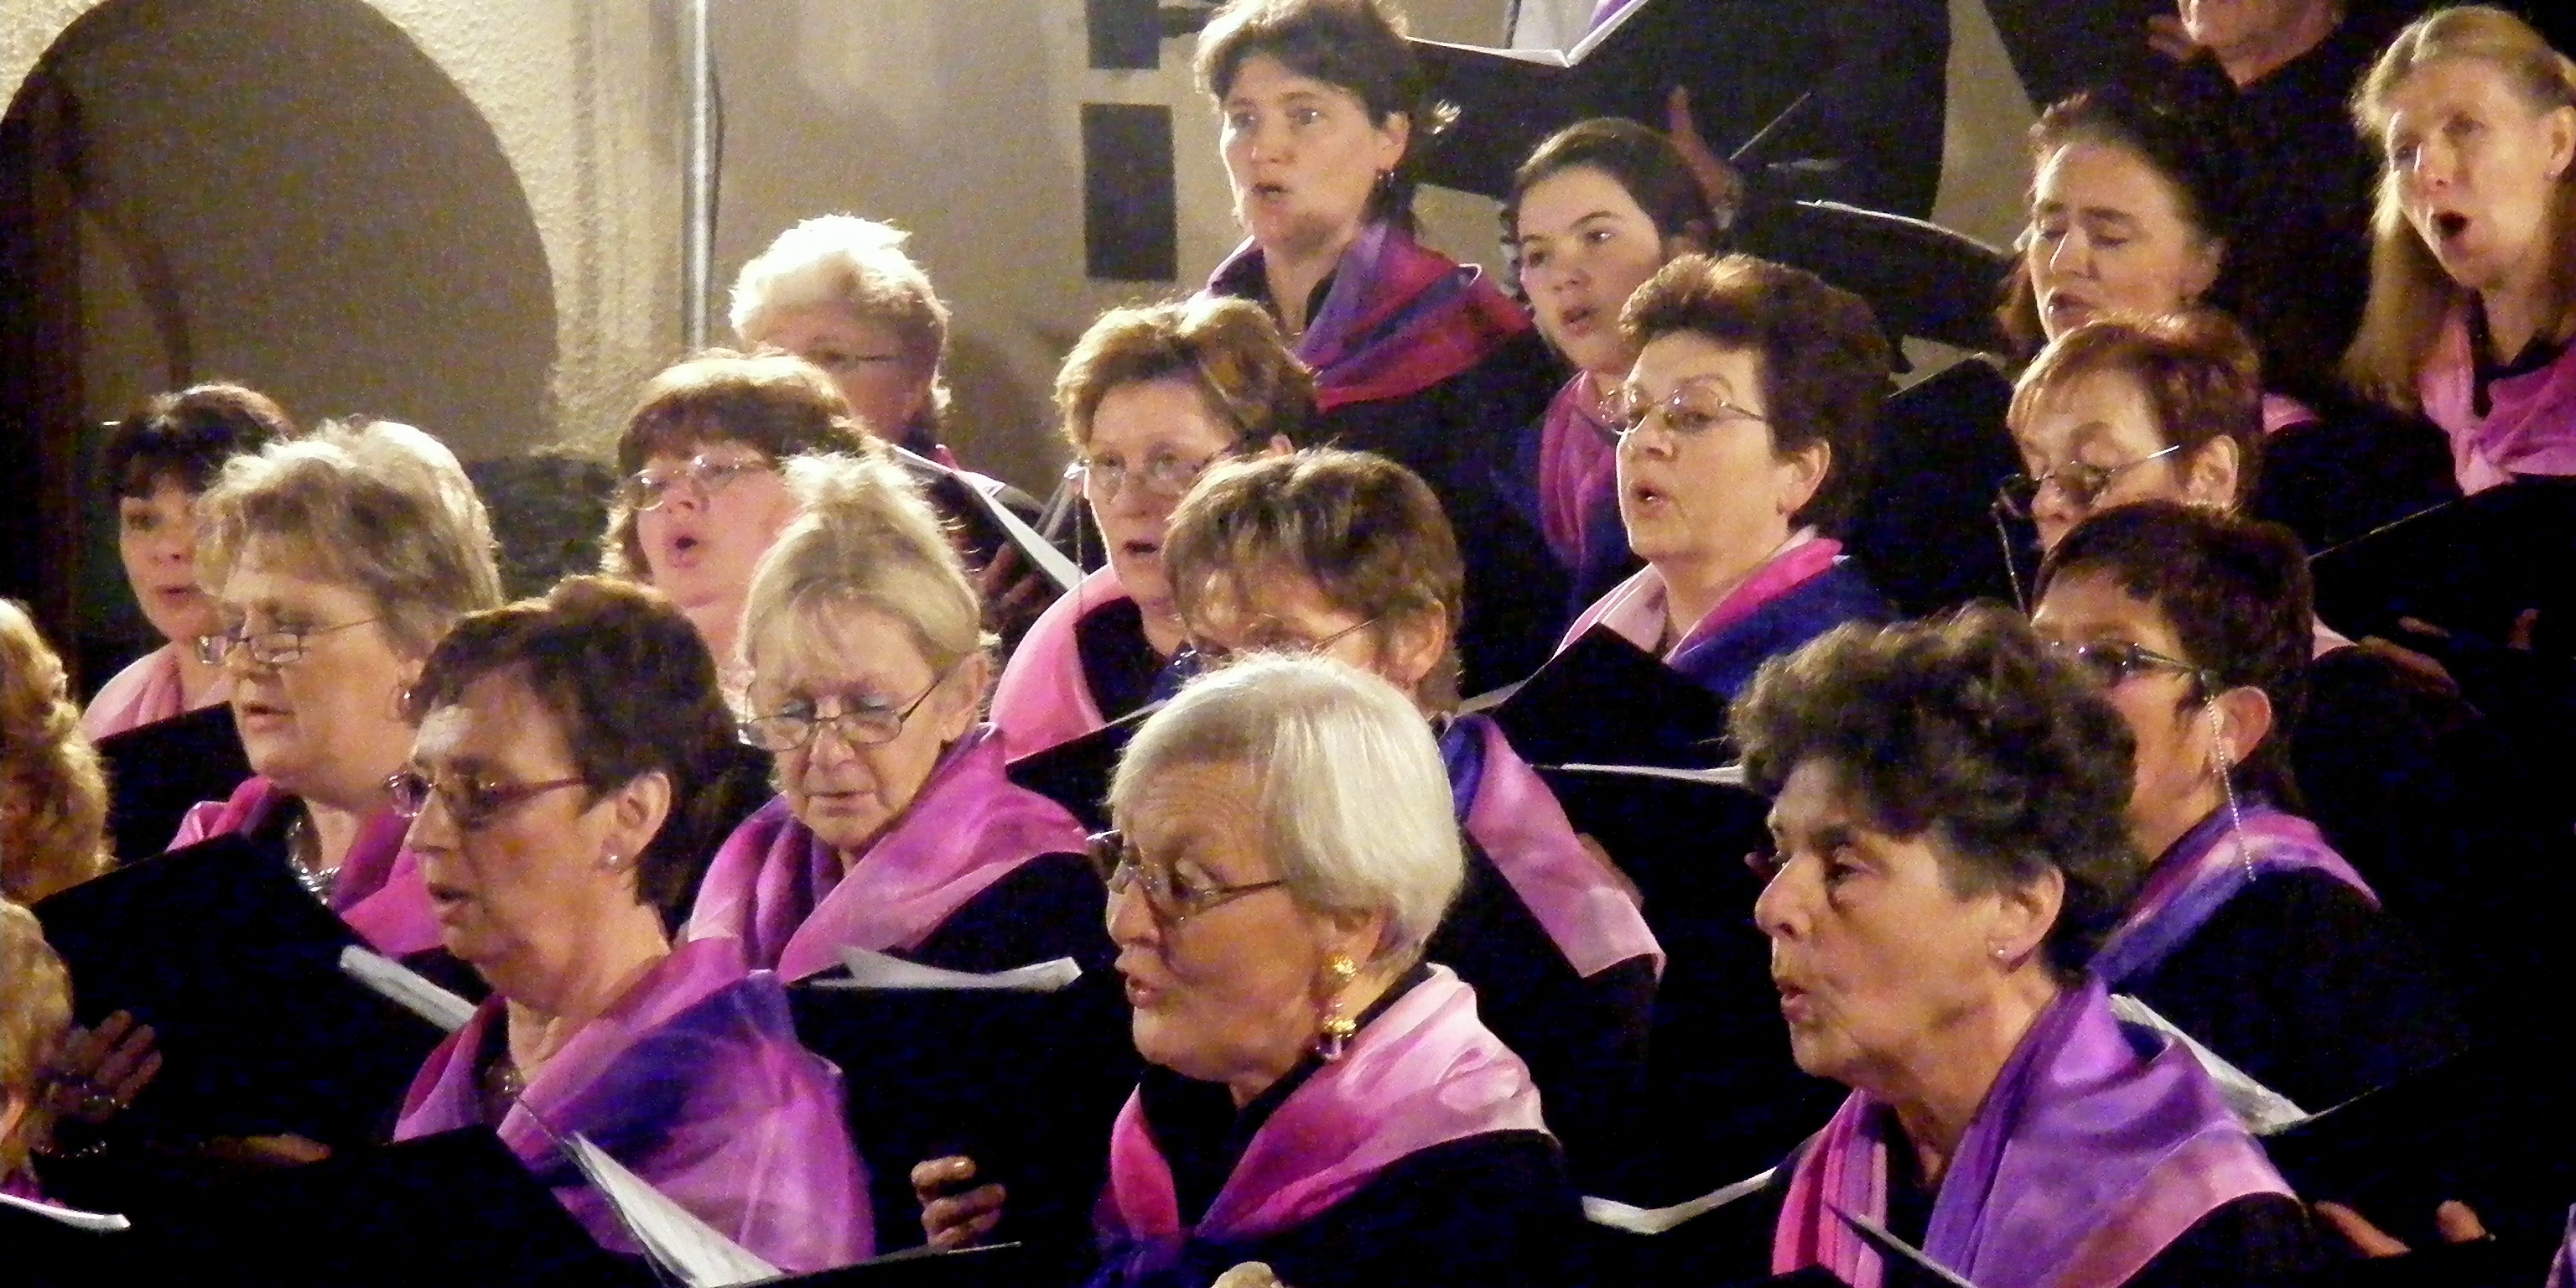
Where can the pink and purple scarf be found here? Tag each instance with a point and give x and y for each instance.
(2094, 1150)
(379, 891)
(2530, 423)
(1804, 590)
(779, 890)
(1516, 820)
(1044, 698)
(2205, 869)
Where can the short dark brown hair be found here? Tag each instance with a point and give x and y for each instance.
(1229, 349)
(1825, 362)
(778, 405)
(2237, 594)
(1967, 729)
(1642, 161)
(186, 437)
(1355, 45)
(2201, 375)
(634, 691)
(1368, 531)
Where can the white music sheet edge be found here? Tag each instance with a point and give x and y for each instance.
(95, 1222)
(1637, 1220)
(407, 988)
(2260, 1109)
(673, 1235)
(875, 970)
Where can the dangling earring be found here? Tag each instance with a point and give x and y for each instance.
(1338, 1024)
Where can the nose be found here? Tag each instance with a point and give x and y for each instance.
(432, 831)
(1776, 910)
(2073, 255)
(1131, 923)
(2054, 511)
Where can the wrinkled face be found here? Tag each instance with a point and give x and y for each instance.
(1233, 989)
(1875, 956)
(1586, 247)
(526, 878)
(2096, 429)
(1302, 155)
(1711, 488)
(702, 544)
(2475, 168)
(2226, 26)
(852, 669)
(863, 356)
(2109, 233)
(2175, 749)
(156, 538)
(327, 724)
(1151, 433)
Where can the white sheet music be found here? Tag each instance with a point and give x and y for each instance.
(1558, 57)
(874, 970)
(406, 987)
(671, 1235)
(1637, 1220)
(2264, 1111)
(1716, 776)
(96, 1222)
(1065, 573)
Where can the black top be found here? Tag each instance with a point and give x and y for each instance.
(155, 772)
(2310, 990)
(1584, 1039)
(1117, 661)
(1925, 526)
(2354, 468)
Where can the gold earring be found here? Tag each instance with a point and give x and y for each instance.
(1338, 1024)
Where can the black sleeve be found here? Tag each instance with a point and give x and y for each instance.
(2311, 990)
(1491, 1211)
(2257, 1240)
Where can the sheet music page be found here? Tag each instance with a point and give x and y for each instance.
(1637, 1220)
(1065, 573)
(2264, 1111)
(681, 1242)
(1715, 776)
(96, 1222)
(875, 970)
(406, 988)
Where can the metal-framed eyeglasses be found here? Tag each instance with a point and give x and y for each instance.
(1692, 409)
(1197, 657)
(863, 723)
(1171, 895)
(703, 476)
(2079, 483)
(275, 647)
(1162, 474)
(2113, 663)
(471, 802)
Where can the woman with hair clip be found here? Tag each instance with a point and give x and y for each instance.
(1323, 114)
(1150, 398)
(2250, 933)
(1592, 214)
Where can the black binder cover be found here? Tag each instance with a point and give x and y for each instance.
(2470, 565)
(1604, 701)
(236, 968)
(155, 772)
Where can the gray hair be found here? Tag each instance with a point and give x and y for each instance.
(375, 505)
(1349, 785)
(857, 264)
(866, 537)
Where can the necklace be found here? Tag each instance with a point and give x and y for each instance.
(303, 858)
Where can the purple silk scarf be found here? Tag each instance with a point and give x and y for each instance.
(1806, 589)
(695, 1081)
(2201, 873)
(1399, 318)
(1423, 1073)
(379, 891)
(2530, 423)
(1516, 820)
(1043, 697)
(1578, 474)
(2562, 1272)
(776, 887)
(2094, 1150)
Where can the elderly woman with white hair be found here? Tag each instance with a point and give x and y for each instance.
(1320, 1100)
(841, 293)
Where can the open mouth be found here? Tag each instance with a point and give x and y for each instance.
(446, 896)
(2449, 224)
(1579, 317)
(1646, 495)
(1269, 191)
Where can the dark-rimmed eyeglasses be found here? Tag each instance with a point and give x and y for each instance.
(862, 724)
(702, 476)
(1171, 896)
(2079, 483)
(271, 648)
(1196, 658)
(1163, 474)
(1689, 411)
(471, 802)
(2116, 662)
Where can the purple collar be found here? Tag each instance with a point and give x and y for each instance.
(2205, 869)
(1516, 820)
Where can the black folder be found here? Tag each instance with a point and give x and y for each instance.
(442, 1211)
(236, 968)
(2471, 565)
(1605, 701)
(155, 772)
(1076, 774)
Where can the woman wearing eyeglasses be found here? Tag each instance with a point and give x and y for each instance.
(1320, 1100)
(1745, 428)
(1150, 398)
(573, 761)
(895, 829)
(1347, 555)
(2250, 933)
(702, 498)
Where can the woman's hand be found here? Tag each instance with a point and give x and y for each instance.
(951, 1219)
(2455, 1220)
(96, 1073)
(1251, 1274)
(267, 1151)
(1718, 180)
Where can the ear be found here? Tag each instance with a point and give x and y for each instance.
(2562, 141)
(2244, 721)
(1393, 137)
(1802, 474)
(1412, 648)
(637, 812)
(1358, 935)
(2210, 481)
(2024, 915)
(1693, 239)
(1278, 446)
(971, 683)
(2207, 259)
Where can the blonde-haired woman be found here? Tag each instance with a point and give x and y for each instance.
(53, 799)
(2473, 270)
(895, 829)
